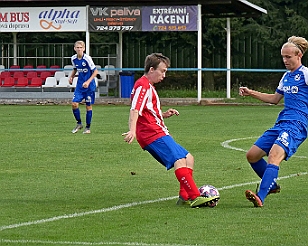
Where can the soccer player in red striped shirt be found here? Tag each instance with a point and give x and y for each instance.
(146, 124)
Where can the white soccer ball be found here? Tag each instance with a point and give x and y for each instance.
(210, 191)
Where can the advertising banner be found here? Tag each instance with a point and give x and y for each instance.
(152, 18)
(113, 19)
(173, 18)
(49, 19)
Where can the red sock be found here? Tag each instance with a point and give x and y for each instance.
(187, 182)
(182, 192)
(190, 171)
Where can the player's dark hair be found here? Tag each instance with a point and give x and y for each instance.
(154, 60)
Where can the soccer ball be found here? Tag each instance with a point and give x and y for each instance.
(209, 191)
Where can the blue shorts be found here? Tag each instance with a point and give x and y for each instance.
(88, 96)
(166, 151)
(287, 134)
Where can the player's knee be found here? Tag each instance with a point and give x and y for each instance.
(190, 160)
(251, 158)
(74, 105)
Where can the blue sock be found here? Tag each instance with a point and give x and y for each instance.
(88, 118)
(76, 113)
(268, 180)
(259, 167)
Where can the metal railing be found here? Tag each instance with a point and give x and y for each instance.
(48, 54)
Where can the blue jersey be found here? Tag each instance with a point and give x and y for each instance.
(294, 87)
(85, 67)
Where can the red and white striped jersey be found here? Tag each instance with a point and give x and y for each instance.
(150, 123)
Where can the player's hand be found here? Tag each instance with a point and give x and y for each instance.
(129, 137)
(244, 91)
(171, 112)
(85, 85)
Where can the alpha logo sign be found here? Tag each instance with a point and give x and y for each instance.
(114, 19)
(55, 19)
(51, 19)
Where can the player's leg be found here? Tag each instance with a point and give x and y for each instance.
(255, 156)
(276, 156)
(260, 149)
(170, 154)
(183, 195)
(184, 176)
(164, 151)
(76, 113)
(90, 99)
(290, 137)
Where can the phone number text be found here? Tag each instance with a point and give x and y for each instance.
(114, 28)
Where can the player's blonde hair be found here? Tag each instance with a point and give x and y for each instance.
(300, 43)
(80, 43)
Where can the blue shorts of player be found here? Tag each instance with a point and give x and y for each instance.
(166, 151)
(287, 134)
(88, 96)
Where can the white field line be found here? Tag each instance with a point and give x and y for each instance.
(27, 242)
(128, 205)
(226, 144)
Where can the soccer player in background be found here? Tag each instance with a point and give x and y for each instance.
(146, 124)
(86, 86)
(290, 129)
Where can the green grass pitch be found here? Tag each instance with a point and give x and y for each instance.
(58, 188)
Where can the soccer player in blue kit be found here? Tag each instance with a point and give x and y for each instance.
(86, 86)
(290, 129)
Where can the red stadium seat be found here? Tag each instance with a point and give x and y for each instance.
(14, 68)
(40, 69)
(44, 75)
(22, 82)
(8, 82)
(36, 82)
(4, 75)
(28, 68)
(17, 75)
(31, 75)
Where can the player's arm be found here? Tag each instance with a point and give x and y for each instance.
(87, 83)
(132, 124)
(265, 97)
(95, 72)
(70, 80)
